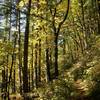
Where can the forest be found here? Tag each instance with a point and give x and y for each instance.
(49, 49)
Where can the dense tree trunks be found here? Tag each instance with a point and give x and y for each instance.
(84, 40)
(26, 38)
(81, 44)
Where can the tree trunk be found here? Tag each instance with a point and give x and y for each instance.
(29, 79)
(32, 74)
(20, 54)
(3, 85)
(48, 63)
(13, 58)
(98, 2)
(14, 87)
(85, 36)
(39, 60)
(26, 38)
(56, 55)
(35, 66)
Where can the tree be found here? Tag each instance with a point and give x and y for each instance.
(26, 38)
(56, 30)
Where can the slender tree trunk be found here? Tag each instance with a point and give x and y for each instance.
(29, 79)
(64, 46)
(20, 54)
(10, 25)
(3, 88)
(13, 66)
(13, 58)
(39, 60)
(48, 63)
(7, 74)
(3, 84)
(26, 38)
(32, 68)
(56, 55)
(98, 3)
(35, 66)
(14, 75)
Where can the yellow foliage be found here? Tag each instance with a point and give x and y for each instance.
(22, 3)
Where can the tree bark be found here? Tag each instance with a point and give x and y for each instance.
(20, 54)
(35, 66)
(39, 60)
(98, 2)
(32, 67)
(56, 55)
(48, 63)
(26, 38)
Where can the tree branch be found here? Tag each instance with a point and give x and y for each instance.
(61, 23)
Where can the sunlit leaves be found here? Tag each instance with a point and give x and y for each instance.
(75, 5)
(22, 3)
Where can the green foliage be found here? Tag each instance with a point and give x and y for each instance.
(78, 47)
(60, 89)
